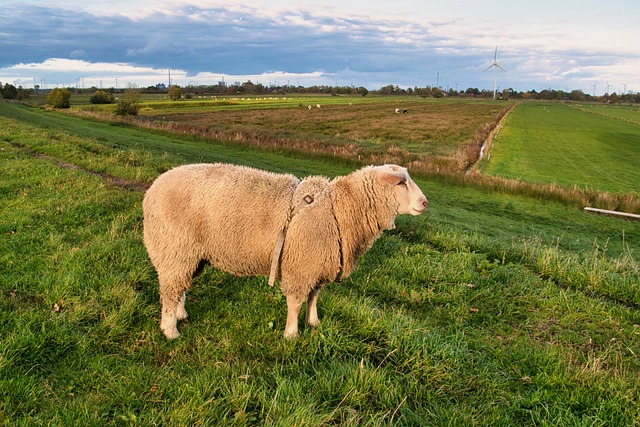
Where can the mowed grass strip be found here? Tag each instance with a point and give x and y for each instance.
(551, 142)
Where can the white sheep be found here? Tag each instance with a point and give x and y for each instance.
(251, 222)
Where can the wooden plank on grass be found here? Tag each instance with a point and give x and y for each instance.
(615, 213)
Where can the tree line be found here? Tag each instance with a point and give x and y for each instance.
(175, 92)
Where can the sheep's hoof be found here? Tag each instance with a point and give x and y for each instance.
(290, 335)
(171, 334)
(181, 314)
(314, 322)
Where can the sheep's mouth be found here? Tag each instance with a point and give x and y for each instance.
(418, 211)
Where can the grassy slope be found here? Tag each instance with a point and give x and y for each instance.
(463, 315)
(550, 142)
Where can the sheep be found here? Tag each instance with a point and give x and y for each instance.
(246, 221)
(397, 110)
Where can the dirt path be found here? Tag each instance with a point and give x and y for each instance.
(109, 179)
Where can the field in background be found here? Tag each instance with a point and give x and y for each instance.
(591, 147)
(489, 309)
(432, 134)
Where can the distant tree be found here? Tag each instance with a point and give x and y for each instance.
(436, 92)
(59, 98)
(129, 105)
(577, 95)
(613, 98)
(23, 93)
(473, 91)
(175, 92)
(101, 97)
(9, 91)
(248, 87)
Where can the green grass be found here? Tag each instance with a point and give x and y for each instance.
(486, 310)
(434, 132)
(628, 113)
(551, 142)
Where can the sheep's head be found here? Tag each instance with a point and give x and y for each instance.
(410, 198)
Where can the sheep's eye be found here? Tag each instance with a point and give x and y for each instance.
(403, 181)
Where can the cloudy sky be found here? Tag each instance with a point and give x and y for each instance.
(558, 44)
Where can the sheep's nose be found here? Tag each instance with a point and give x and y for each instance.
(425, 203)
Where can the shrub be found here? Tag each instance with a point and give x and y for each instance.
(9, 91)
(101, 97)
(175, 93)
(59, 98)
(129, 105)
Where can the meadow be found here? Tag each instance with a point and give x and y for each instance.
(489, 309)
(435, 134)
(588, 146)
(553, 152)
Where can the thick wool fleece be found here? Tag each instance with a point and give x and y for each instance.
(232, 216)
(228, 215)
(327, 237)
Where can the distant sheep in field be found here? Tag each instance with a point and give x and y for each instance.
(247, 221)
(397, 110)
(405, 111)
(310, 107)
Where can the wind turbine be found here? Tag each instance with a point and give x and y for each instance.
(606, 90)
(495, 66)
(625, 87)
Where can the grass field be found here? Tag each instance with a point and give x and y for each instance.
(552, 142)
(628, 113)
(488, 310)
(435, 133)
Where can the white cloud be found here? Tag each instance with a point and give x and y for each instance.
(405, 42)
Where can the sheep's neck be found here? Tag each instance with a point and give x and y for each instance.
(357, 220)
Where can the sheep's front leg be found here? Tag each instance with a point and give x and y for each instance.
(312, 311)
(169, 320)
(172, 298)
(293, 309)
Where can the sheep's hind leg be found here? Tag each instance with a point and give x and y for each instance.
(312, 310)
(293, 309)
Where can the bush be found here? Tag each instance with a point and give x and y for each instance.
(101, 97)
(129, 105)
(9, 91)
(175, 93)
(59, 98)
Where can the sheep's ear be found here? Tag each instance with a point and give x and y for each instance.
(389, 177)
